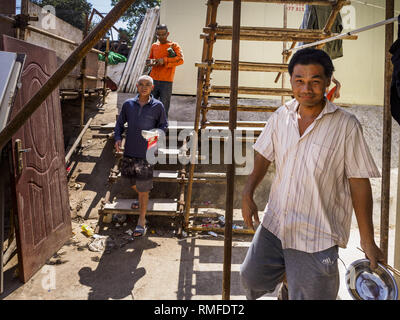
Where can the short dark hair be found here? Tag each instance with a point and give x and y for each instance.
(162, 27)
(312, 56)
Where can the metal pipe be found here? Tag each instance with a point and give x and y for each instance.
(77, 141)
(387, 133)
(344, 35)
(68, 65)
(230, 176)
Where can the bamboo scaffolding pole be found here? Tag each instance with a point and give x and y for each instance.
(208, 53)
(387, 133)
(48, 87)
(230, 176)
(202, 77)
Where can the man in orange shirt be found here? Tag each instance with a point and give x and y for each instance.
(164, 57)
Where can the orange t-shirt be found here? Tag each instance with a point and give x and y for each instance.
(166, 72)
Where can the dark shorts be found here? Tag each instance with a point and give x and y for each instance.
(139, 171)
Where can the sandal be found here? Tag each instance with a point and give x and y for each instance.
(135, 204)
(139, 231)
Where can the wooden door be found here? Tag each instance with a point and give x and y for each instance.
(44, 220)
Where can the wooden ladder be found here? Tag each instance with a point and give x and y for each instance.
(213, 32)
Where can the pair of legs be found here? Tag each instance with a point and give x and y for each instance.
(162, 91)
(140, 174)
(143, 201)
(310, 276)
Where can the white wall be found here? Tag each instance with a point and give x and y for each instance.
(360, 70)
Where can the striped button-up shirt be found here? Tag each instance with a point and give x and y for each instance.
(310, 206)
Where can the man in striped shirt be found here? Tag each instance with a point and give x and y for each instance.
(323, 166)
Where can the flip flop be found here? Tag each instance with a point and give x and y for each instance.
(140, 231)
(135, 204)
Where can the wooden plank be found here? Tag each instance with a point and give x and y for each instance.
(239, 123)
(253, 90)
(242, 107)
(186, 126)
(245, 66)
(278, 35)
(132, 56)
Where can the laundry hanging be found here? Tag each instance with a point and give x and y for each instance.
(315, 17)
(395, 86)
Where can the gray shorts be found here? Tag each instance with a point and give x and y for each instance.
(310, 276)
(139, 172)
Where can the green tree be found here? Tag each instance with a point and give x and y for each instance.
(135, 14)
(71, 11)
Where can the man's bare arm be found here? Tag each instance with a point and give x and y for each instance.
(249, 208)
(361, 195)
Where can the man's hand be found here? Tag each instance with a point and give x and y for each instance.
(159, 62)
(361, 195)
(373, 254)
(118, 146)
(249, 210)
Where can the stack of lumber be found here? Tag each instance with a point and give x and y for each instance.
(140, 52)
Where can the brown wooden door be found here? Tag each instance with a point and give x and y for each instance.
(44, 220)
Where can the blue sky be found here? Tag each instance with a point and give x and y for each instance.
(104, 6)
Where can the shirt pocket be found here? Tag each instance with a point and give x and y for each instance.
(319, 157)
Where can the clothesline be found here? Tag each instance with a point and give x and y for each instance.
(342, 35)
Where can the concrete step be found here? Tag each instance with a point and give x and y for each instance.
(154, 207)
(173, 176)
(158, 206)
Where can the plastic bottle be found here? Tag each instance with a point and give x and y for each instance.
(87, 230)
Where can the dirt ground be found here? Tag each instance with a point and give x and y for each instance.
(160, 265)
(157, 266)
